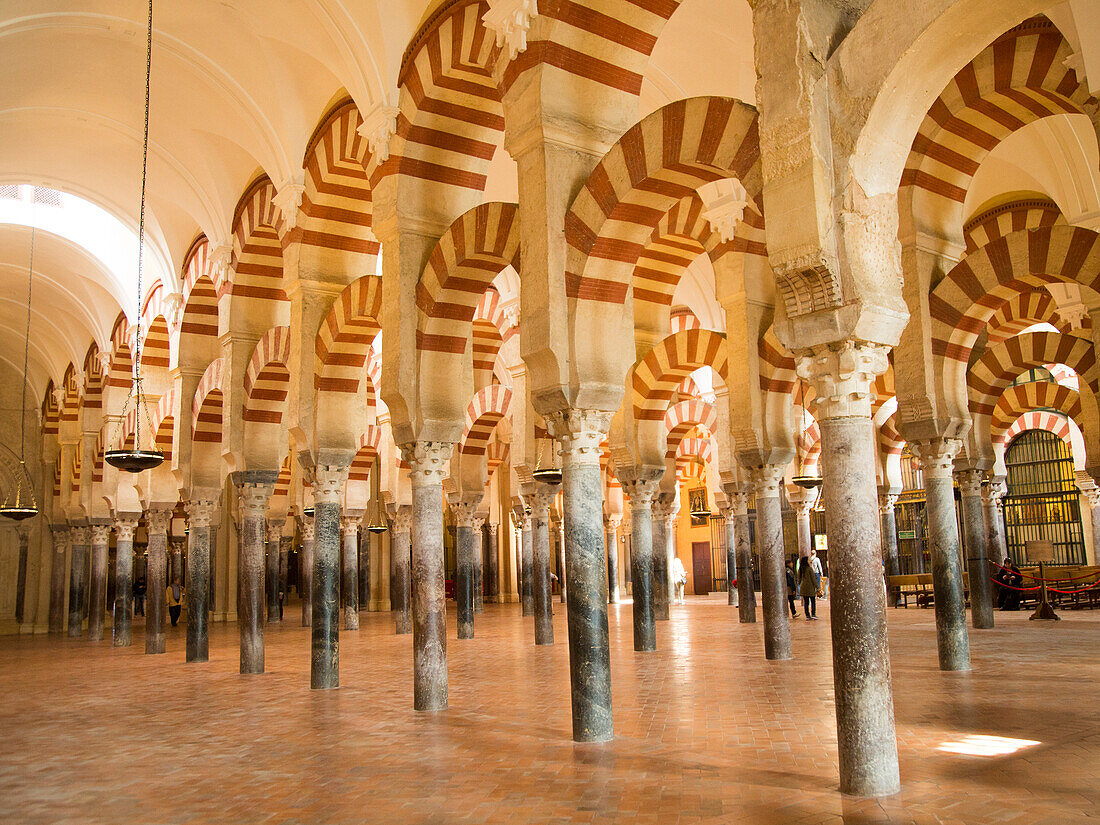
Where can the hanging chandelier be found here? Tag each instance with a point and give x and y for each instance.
(376, 524)
(803, 479)
(20, 503)
(548, 474)
(136, 459)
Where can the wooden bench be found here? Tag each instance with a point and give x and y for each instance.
(918, 587)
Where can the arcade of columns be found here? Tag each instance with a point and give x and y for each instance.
(294, 391)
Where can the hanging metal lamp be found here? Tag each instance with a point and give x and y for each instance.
(137, 459)
(803, 479)
(549, 474)
(20, 503)
(376, 524)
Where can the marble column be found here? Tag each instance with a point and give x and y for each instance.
(363, 550)
(21, 575)
(284, 566)
(974, 540)
(732, 596)
(491, 562)
(429, 462)
(527, 561)
(889, 527)
(561, 560)
(479, 557)
(156, 579)
(540, 562)
(992, 505)
(213, 561)
(661, 508)
(862, 690)
(305, 567)
(400, 572)
(328, 491)
(61, 540)
(670, 550)
(464, 575)
(177, 561)
(271, 569)
(200, 516)
(937, 461)
(769, 544)
(254, 488)
(805, 538)
(611, 531)
(349, 584)
(746, 585)
(77, 562)
(97, 594)
(122, 625)
(641, 485)
(580, 433)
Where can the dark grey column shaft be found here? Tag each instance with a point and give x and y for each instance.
(429, 462)
(479, 563)
(284, 567)
(992, 500)
(527, 560)
(561, 562)
(364, 568)
(611, 532)
(253, 492)
(862, 689)
(271, 570)
(97, 596)
(974, 538)
(61, 538)
(746, 587)
(122, 625)
(805, 540)
(401, 570)
(464, 578)
(769, 544)
(305, 568)
(156, 579)
(643, 535)
(659, 555)
(580, 433)
(492, 562)
(200, 515)
(212, 600)
(349, 584)
(540, 563)
(86, 582)
(731, 558)
(943, 538)
(328, 489)
(889, 528)
(78, 555)
(21, 577)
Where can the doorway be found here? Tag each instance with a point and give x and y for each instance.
(700, 567)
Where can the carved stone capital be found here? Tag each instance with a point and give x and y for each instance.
(402, 519)
(542, 498)
(253, 498)
(994, 491)
(804, 507)
(349, 525)
(275, 529)
(612, 523)
(378, 127)
(80, 536)
(580, 434)
(288, 198)
(200, 513)
(937, 456)
(306, 526)
(157, 520)
(493, 529)
(124, 528)
(328, 483)
(1091, 494)
(766, 480)
(886, 502)
(842, 378)
(970, 483)
(478, 521)
(642, 489)
(428, 461)
(464, 512)
(525, 522)
(510, 20)
(101, 534)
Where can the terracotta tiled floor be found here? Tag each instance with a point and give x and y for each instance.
(707, 731)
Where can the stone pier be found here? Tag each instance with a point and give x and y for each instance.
(401, 574)
(200, 515)
(661, 510)
(540, 564)
(992, 505)
(889, 527)
(77, 562)
(157, 521)
(271, 570)
(97, 593)
(122, 615)
(305, 567)
(328, 490)
(527, 559)
(464, 575)
(641, 486)
(611, 532)
(492, 587)
(974, 540)
(61, 538)
(349, 583)
(253, 491)
(746, 587)
(769, 545)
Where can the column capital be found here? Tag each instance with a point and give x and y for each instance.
(157, 520)
(970, 483)
(125, 527)
(464, 512)
(525, 522)
(328, 483)
(993, 492)
(766, 479)
(478, 521)
(493, 527)
(886, 502)
(612, 522)
(1092, 495)
(510, 21)
(580, 434)
(642, 491)
(670, 518)
(101, 533)
(306, 525)
(349, 525)
(842, 376)
(252, 497)
(200, 513)
(804, 507)
(740, 502)
(275, 528)
(80, 535)
(402, 519)
(937, 456)
(428, 461)
(542, 498)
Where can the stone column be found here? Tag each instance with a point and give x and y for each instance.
(122, 625)
(746, 587)
(479, 557)
(271, 569)
(177, 561)
(642, 486)
(974, 538)
(305, 568)
(363, 550)
(253, 491)
(660, 511)
(491, 562)
(200, 515)
(156, 579)
(889, 526)
(349, 584)
(526, 568)
(61, 540)
(611, 531)
(213, 562)
(561, 559)
(428, 461)
(670, 550)
(937, 461)
(97, 596)
(400, 572)
(21, 576)
(805, 539)
(866, 743)
(77, 561)
(328, 491)
(731, 557)
(465, 549)
(284, 566)
(540, 563)
(769, 545)
(580, 433)
(992, 505)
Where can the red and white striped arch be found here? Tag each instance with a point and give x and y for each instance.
(121, 373)
(1020, 312)
(655, 377)
(282, 486)
(156, 346)
(70, 406)
(1036, 395)
(51, 412)
(258, 229)
(267, 378)
(200, 297)
(163, 423)
(661, 160)
(1029, 213)
(93, 379)
(208, 404)
(496, 454)
(777, 369)
(699, 448)
(685, 416)
(369, 443)
(1052, 422)
(343, 347)
(490, 331)
(486, 409)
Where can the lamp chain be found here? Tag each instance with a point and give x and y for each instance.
(141, 231)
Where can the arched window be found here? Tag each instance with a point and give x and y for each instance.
(1043, 502)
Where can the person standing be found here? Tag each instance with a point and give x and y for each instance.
(175, 600)
(139, 596)
(792, 589)
(679, 578)
(815, 562)
(808, 582)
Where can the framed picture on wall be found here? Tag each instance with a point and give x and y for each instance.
(698, 506)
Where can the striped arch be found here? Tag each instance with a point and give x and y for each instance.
(369, 443)
(122, 361)
(344, 341)
(156, 347)
(207, 406)
(282, 487)
(70, 406)
(688, 388)
(810, 446)
(655, 377)
(335, 213)
(485, 411)
(51, 412)
(661, 160)
(97, 456)
(994, 371)
(690, 469)
(163, 423)
(1052, 422)
(199, 318)
(1020, 312)
(777, 370)
(267, 378)
(698, 448)
(1020, 78)
(450, 120)
(1030, 213)
(490, 328)
(472, 252)
(1036, 395)
(889, 439)
(93, 379)
(681, 318)
(684, 417)
(496, 454)
(257, 258)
